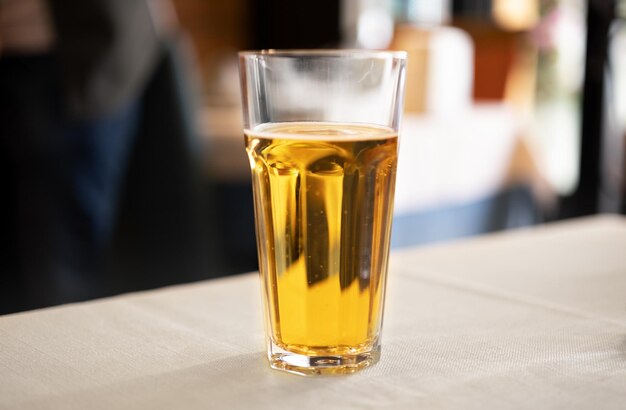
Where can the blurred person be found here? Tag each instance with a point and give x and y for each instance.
(73, 79)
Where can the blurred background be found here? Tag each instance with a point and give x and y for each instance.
(121, 152)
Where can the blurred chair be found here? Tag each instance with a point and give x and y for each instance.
(464, 168)
(462, 177)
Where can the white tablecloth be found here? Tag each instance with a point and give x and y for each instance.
(530, 319)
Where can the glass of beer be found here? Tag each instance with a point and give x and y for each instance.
(321, 133)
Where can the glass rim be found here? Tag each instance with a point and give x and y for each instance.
(325, 52)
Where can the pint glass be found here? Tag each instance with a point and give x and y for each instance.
(321, 133)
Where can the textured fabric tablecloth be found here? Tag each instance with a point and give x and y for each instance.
(529, 319)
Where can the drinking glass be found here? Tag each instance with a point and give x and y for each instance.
(321, 133)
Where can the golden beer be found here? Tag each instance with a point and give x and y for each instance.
(323, 202)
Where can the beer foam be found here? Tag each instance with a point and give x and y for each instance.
(321, 131)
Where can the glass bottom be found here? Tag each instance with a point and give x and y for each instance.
(333, 364)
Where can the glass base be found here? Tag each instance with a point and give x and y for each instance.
(304, 365)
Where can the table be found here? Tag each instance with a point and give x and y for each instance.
(534, 318)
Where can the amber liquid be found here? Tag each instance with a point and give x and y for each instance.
(323, 201)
